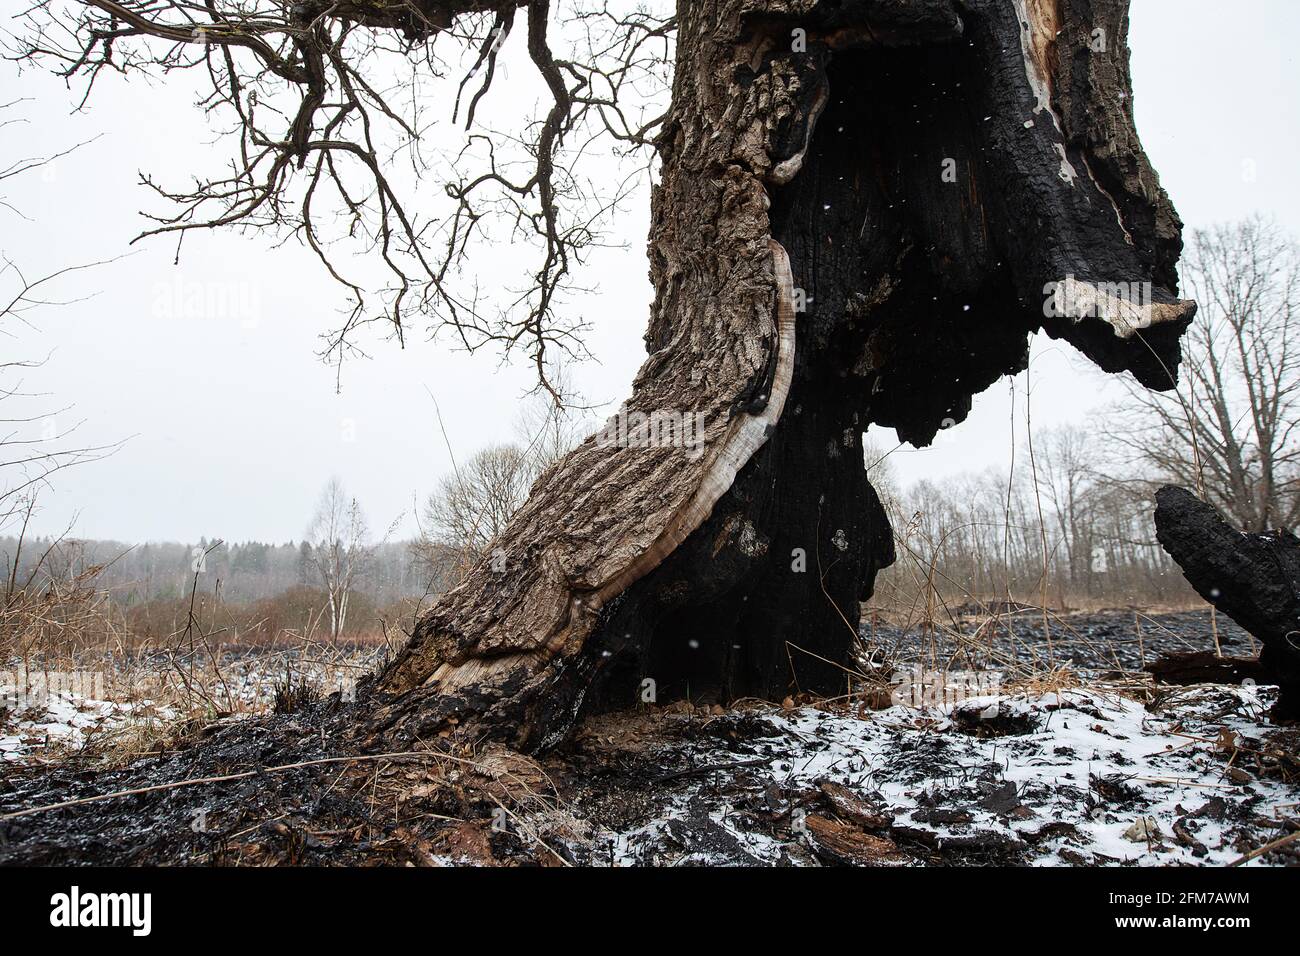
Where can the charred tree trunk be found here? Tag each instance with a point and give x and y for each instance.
(1205, 667)
(865, 209)
(1254, 578)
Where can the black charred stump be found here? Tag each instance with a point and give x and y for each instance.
(1254, 578)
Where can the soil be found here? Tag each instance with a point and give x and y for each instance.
(1094, 642)
(1094, 771)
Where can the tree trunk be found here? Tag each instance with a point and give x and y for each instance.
(1254, 578)
(1205, 667)
(864, 209)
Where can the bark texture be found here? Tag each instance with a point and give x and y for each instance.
(863, 209)
(1254, 578)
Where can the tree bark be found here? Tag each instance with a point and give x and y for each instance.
(864, 208)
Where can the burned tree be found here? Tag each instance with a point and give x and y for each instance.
(1253, 577)
(1232, 431)
(635, 563)
(865, 209)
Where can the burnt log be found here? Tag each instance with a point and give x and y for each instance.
(1206, 667)
(866, 208)
(1253, 577)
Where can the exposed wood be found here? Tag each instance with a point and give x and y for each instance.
(845, 844)
(854, 808)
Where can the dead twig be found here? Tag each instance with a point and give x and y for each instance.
(1267, 848)
(226, 778)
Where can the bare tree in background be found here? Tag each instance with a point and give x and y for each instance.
(34, 438)
(1230, 430)
(1064, 478)
(880, 471)
(340, 549)
(546, 430)
(472, 506)
(981, 537)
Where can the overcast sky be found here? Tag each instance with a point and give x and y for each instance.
(233, 423)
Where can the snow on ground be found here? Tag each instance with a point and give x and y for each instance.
(1101, 773)
(1074, 777)
(51, 722)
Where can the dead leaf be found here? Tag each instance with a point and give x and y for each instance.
(845, 843)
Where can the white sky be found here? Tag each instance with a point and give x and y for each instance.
(233, 422)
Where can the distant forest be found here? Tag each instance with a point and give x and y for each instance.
(248, 571)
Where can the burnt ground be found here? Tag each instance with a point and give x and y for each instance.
(1118, 639)
(1103, 771)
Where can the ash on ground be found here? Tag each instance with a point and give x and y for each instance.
(1088, 765)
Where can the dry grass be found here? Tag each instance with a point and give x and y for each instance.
(923, 616)
(61, 631)
(212, 660)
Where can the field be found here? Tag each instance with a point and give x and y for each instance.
(995, 738)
